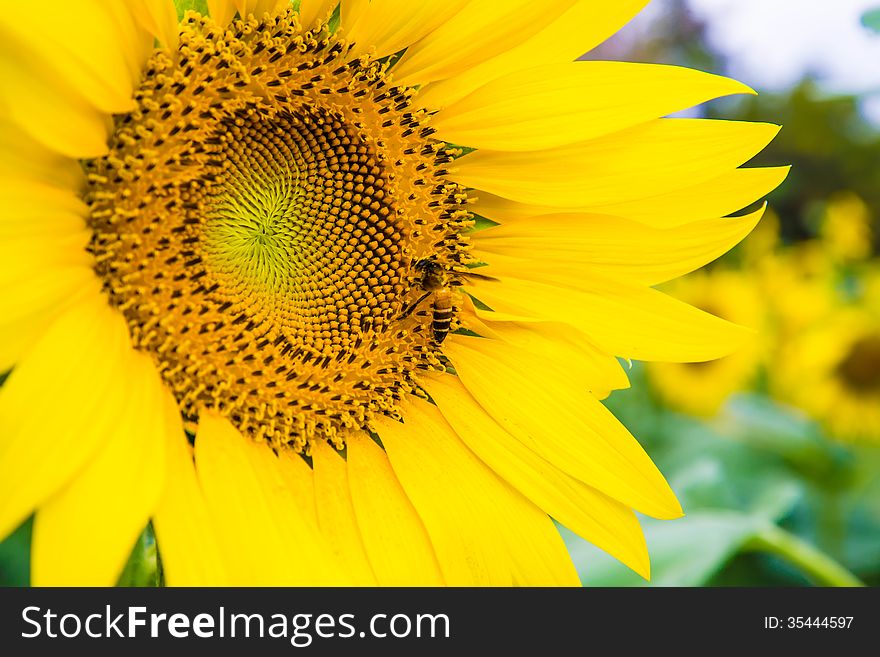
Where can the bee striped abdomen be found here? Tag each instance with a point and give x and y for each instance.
(443, 313)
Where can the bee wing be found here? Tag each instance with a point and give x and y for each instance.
(473, 275)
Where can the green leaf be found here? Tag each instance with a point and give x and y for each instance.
(863, 543)
(711, 471)
(482, 223)
(760, 423)
(457, 150)
(15, 556)
(143, 567)
(200, 6)
(333, 23)
(691, 550)
(871, 19)
(730, 487)
(684, 552)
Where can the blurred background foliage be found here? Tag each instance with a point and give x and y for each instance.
(774, 452)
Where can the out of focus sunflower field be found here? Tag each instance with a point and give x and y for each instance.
(774, 451)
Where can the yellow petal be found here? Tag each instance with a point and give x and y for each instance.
(484, 532)
(579, 29)
(626, 320)
(43, 263)
(560, 104)
(51, 111)
(388, 26)
(24, 257)
(28, 307)
(256, 7)
(222, 11)
(159, 18)
(266, 539)
(189, 544)
(136, 43)
(52, 223)
(395, 538)
(85, 532)
(23, 158)
(478, 32)
(299, 478)
(336, 515)
(75, 42)
(606, 523)
(550, 413)
(312, 11)
(18, 338)
(295, 519)
(640, 162)
(60, 405)
(599, 371)
(45, 290)
(17, 200)
(613, 247)
(351, 12)
(717, 197)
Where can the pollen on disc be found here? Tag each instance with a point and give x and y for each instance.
(258, 221)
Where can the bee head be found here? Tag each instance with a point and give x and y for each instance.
(427, 265)
(430, 273)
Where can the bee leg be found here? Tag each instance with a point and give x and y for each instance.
(408, 310)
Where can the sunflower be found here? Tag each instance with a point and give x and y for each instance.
(846, 228)
(832, 372)
(234, 254)
(800, 288)
(701, 388)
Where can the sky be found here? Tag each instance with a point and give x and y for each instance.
(771, 44)
(776, 41)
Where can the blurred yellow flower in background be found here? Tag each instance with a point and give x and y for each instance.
(832, 372)
(846, 228)
(820, 303)
(701, 388)
(763, 241)
(798, 288)
(257, 231)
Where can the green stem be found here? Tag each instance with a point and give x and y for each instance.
(831, 525)
(824, 570)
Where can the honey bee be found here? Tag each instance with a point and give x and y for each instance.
(435, 280)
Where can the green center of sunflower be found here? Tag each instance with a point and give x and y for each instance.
(297, 224)
(860, 369)
(260, 220)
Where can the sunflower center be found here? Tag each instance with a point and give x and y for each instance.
(860, 369)
(283, 230)
(259, 222)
